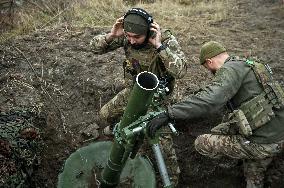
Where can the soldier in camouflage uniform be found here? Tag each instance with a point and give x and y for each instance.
(254, 130)
(147, 48)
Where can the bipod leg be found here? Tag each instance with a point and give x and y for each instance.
(162, 166)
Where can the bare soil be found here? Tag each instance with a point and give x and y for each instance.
(56, 71)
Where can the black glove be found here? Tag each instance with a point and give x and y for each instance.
(157, 122)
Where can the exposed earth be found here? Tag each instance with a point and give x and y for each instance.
(55, 71)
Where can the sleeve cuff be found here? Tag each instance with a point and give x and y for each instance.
(164, 53)
(170, 113)
(162, 47)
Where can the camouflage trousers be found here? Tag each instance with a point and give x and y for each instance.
(115, 107)
(256, 157)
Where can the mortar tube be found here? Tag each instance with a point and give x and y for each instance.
(138, 103)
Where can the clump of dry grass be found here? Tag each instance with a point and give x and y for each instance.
(40, 14)
(177, 14)
(98, 13)
(173, 14)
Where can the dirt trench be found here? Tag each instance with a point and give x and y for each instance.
(56, 71)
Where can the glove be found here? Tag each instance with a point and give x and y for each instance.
(157, 122)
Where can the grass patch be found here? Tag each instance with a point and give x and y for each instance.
(96, 13)
(173, 14)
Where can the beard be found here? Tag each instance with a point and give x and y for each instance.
(138, 46)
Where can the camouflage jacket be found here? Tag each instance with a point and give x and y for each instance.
(234, 81)
(169, 61)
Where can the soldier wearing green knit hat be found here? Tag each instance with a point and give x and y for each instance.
(253, 129)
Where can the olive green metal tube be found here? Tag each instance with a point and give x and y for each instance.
(138, 103)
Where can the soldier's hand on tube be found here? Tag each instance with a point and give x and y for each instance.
(116, 30)
(157, 122)
(155, 39)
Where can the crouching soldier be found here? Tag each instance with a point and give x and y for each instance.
(253, 130)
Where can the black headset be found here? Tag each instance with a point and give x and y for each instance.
(142, 13)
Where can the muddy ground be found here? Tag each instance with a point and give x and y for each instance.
(54, 70)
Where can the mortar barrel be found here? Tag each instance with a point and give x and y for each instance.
(138, 103)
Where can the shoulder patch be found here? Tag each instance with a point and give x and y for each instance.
(249, 62)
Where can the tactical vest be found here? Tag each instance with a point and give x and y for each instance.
(260, 110)
(146, 59)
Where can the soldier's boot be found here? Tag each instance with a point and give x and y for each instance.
(114, 108)
(254, 171)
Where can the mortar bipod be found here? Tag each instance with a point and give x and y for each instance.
(132, 137)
